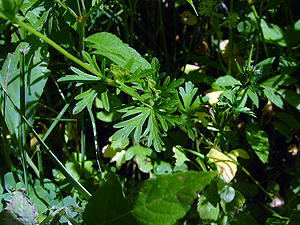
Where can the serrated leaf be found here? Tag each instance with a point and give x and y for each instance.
(79, 77)
(187, 94)
(258, 139)
(134, 124)
(154, 135)
(110, 46)
(87, 98)
(19, 210)
(160, 201)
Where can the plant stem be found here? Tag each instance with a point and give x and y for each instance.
(161, 26)
(230, 41)
(249, 175)
(97, 152)
(22, 127)
(67, 8)
(53, 158)
(260, 30)
(60, 49)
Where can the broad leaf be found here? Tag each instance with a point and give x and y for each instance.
(291, 97)
(227, 81)
(274, 97)
(110, 46)
(258, 139)
(226, 167)
(279, 80)
(208, 204)
(36, 75)
(163, 200)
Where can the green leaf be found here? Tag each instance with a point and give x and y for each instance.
(291, 97)
(141, 155)
(208, 204)
(273, 97)
(187, 96)
(80, 77)
(284, 130)
(226, 81)
(287, 66)
(279, 80)
(225, 191)
(253, 96)
(19, 210)
(134, 124)
(179, 156)
(154, 137)
(163, 168)
(163, 200)
(192, 4)
(36, 75)
(258, 139)
(237, 203)
(87, 98)
(112, 114)
(242, 218)
(288, 119)
(110, 46)
(273, 33)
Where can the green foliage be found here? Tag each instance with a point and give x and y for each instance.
(161, 201)
(169, 101)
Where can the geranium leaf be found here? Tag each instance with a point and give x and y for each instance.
(160, 201)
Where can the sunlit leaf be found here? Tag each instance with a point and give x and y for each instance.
(160, 201)
(258, 139)
(226, 167)
(179, 156)
(112, 47)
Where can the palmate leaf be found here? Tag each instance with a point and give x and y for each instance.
(151, 120)
(88, 97)
(187, 96)
(134, 124)
(80, 77)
